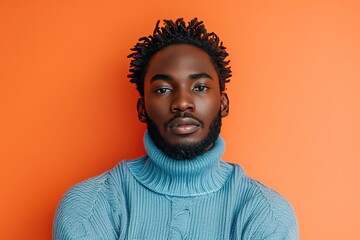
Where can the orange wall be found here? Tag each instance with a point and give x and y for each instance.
(68, 109)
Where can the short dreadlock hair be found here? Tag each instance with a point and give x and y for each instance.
(178, 33)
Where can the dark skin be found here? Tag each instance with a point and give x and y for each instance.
(181, 78)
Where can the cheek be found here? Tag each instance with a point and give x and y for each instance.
(156, 110)
(207, 111)
(208, 108)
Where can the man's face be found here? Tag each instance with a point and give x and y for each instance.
(182, 102)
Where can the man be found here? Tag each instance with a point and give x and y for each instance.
(181, 189)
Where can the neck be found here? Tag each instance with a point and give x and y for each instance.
(201, 175)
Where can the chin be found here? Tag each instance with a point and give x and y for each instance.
(187, 147)
(183, 140)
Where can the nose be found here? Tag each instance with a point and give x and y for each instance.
(182, 101)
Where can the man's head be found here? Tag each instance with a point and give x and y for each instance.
(180, 72)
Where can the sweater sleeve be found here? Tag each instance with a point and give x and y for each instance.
(267, 216)
(89, 210)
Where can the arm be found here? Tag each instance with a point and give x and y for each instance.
(89, 210)
(267, 216)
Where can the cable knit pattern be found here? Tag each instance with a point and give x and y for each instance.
(156, 197)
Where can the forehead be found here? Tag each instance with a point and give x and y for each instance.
(181, 59)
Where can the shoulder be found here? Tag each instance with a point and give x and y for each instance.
(264, 213)
(87, 202)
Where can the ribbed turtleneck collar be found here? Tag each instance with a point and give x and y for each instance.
(201, 175)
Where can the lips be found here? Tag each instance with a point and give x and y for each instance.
(184, 126)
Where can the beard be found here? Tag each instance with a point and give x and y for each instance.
(185, 150)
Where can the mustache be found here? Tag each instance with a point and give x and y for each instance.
(184, 115)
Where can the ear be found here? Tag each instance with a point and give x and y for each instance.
(140, 106)
(224, 104)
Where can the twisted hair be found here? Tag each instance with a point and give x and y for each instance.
(194, 33)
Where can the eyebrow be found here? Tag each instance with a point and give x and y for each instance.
(160, 77)
(200, 75)
(168, 77)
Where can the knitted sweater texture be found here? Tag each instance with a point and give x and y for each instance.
(156, 197)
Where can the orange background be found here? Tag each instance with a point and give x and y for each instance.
(68, 109)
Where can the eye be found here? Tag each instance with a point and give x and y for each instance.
(162, 90)
(200, 88)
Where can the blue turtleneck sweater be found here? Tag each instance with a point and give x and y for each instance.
(156, 197)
